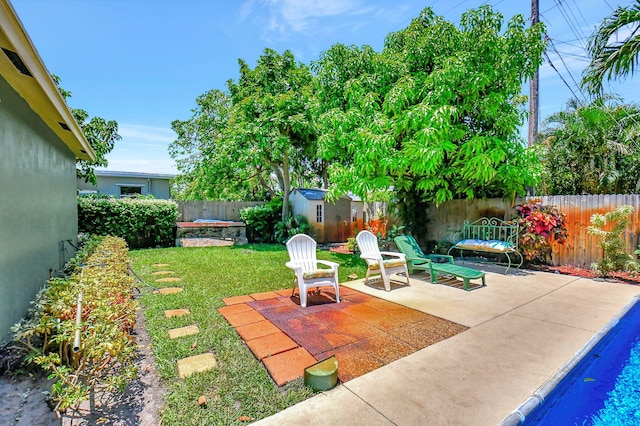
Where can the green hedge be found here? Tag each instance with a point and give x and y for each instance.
(140, 222)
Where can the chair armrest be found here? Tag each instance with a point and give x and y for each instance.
(447, 257)
(418, 260)
(371, 256)
(293, 265)
(332, 265)
(393, 254)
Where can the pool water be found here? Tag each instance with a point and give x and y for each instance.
(604, 387)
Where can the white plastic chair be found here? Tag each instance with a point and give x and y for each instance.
(395, 263)
(302, 254)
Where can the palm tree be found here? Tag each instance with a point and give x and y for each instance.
(611, 58)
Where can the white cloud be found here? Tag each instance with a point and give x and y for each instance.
(299, 16)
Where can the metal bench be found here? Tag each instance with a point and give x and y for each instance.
(490, 235)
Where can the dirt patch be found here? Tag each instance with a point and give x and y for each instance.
(24, 396)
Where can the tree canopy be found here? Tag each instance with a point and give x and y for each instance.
(435, 113)
(433, 116)
(253, 140)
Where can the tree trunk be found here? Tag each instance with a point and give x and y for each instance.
(286, 181)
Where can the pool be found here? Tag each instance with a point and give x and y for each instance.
(600, 386)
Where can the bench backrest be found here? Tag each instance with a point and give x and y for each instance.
(491, 228)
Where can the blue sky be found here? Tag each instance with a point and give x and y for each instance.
(143, 62)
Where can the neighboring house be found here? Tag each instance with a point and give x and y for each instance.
(40, 144)
(126, 184)
(330, 221)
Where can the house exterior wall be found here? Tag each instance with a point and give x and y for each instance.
(111, 185)
(38, 212)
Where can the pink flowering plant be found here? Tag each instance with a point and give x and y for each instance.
(540, 228)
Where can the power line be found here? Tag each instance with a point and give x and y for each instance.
(560, 75)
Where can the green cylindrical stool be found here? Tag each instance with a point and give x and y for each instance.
(323, 375)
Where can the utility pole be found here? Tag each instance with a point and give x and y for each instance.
(534, 100)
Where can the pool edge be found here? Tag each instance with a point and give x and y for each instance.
(517, 416)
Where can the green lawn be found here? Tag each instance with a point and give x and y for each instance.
(240, 385)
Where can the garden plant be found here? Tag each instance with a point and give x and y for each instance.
(95, 350)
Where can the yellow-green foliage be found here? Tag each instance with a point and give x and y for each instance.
(613, 248)
(107, 348)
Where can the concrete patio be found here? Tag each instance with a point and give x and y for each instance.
(524, 326)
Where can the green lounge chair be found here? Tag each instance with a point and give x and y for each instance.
(417, 260)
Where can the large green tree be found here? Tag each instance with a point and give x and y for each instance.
(612, 57)
(271, 123)
(208, 170)
(100, 133)
(254, 140)
(592, 148)
(436, 114)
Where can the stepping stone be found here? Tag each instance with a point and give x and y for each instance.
(196, 364)
(160, 265)
(176, 313)
(162, 273)
(189, 330)
(168, 280)
(288, 365)
(170, 290)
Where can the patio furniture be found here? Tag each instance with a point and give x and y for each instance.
(308, 273)
(384, 263)
(434, 263)
(490, 235)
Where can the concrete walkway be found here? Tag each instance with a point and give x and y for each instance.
(524, 327)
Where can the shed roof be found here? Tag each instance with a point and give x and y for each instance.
(315, 193)
(22, 67)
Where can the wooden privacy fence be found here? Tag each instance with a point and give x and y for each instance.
(581, 249)
(223, 210)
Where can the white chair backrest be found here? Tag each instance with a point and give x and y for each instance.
(302, 249)
(367, 243)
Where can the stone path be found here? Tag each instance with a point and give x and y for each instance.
(193, 364)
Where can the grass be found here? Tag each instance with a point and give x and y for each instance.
(240, 386)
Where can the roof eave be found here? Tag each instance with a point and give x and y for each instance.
(38, 90)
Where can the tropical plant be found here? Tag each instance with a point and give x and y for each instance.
(540, 227)
(610, 57)
(591, 148)
(614, 257)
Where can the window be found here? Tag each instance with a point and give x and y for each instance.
(319, 213)
(128, 191)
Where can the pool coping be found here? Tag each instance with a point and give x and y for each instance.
(518, 416)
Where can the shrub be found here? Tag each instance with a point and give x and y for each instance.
(107, 350)
(261, 221)
(540, 227)
(140, 222)
(613, 248)
(286, 229)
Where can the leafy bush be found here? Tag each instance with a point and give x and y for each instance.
(140, 222)
(613, 247)
(261, 221)
(108, 312)
(540, 227)
(286, 229)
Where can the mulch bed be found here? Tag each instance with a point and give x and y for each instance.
(632, 278)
